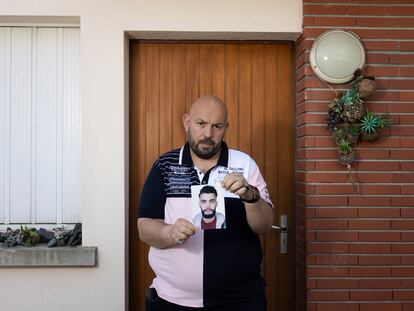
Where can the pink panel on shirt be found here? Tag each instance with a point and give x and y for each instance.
(179, 269)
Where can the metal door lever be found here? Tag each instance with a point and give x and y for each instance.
(283, 233)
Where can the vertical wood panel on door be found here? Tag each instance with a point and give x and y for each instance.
(255, 81)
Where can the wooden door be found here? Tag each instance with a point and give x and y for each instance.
(255, 81)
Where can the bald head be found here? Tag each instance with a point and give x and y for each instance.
(209, 103)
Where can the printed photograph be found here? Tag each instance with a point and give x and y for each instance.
(208, 206)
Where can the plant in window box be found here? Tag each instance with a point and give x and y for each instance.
(372, 124)
(29, 237)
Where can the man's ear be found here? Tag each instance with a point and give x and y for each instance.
(186, 122)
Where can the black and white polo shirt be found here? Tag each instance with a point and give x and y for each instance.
(214, 267)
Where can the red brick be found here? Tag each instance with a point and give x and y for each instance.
(402, 154)
(333, 189)
(377, 165)
(327, 272)
(326, 201)
(337, 284)
(365, 248)
(403, 177)
(402, 224)
(310, 236)
(407, 166)
(407, 212)
(406, 45)
(311, 307)
(407, 306)
(328, 248)
(379, 212)
(401, 107)
(336, 260)
(324, 9)
(379, 189)
(336, 212)
(326, 224)
(369, 201)
(334, 21)
(331, 165)
(407, 71)
(371, 295)
(401, 130)
(310, 283)
(310, 260)
(384, 22)
(403, 271)
(406, 96)
(408, 260)
(310, 212)
(401, 59)
(337, 306)
(388, 71)
(404, 295)
(407, 236)
(379, 260)
(407, 142)
(326, 177)
(379, 45)
(382, 306)
(379, 236)
(380, 10)
(326, 295)
(402, 201)
(369, 272)
(368, 224)
(407, 283)
(378, 283)
(400, 84)
(402, 249)
(336, 236)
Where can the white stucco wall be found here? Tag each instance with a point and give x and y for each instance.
(104, 151)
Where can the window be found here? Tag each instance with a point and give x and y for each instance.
(39, 125)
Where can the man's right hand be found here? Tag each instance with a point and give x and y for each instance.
(156, 233)
(181, 231)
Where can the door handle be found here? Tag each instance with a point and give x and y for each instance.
(283, 228)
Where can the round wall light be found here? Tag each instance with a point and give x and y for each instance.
(335, 55)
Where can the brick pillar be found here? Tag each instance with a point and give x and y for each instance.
(356, 252)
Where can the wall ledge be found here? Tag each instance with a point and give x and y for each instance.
(42, 256)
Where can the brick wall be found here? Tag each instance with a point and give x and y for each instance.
(356, 252)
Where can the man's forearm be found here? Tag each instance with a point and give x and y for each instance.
(155, 232)
(259, 216)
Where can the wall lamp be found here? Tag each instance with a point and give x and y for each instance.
(336, 55)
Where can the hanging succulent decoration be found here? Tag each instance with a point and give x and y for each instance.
(350, 121)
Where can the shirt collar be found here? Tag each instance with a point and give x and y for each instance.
(222, 161)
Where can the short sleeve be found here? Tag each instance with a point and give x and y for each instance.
(153, 195)
(256, 179)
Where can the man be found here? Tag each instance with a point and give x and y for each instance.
(208, 269)
(209, 218)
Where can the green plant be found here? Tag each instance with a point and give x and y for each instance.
(353, 131)
(344, 147)
(29, 237)
(385, 121)
(370, 123)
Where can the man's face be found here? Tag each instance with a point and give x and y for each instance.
(208, 205)
(205, 127)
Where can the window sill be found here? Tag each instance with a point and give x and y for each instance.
(42, 256)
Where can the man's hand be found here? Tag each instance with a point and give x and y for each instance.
(158, 234)
(259, 213)
(182, 230)
(237, 184)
